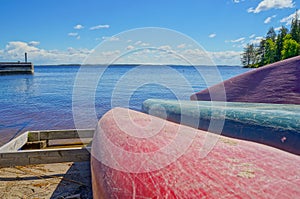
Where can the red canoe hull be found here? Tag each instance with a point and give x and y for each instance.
(211, 166)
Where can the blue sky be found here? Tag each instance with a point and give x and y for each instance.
(66, 31)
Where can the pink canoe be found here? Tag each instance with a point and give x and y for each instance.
(135, 155)
(275, 83)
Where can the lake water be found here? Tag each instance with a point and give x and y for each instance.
(44, 100)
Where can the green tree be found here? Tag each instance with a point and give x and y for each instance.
(295, 28)
(270, 51)
(271, 34)
(274, 47)
(261, 52)
(279, 42)
(249, 57)
(290, 47)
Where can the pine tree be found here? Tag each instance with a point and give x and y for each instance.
(249, 57)
(261, 52)
(279, 42)
(295, 28)
(271, 34)
(270, 51)
(274, 47)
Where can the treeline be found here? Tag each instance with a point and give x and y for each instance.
(274, 47)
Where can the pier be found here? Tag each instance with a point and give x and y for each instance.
(16, 67)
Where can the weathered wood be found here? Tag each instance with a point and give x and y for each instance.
(75, 141)
(15, 144)
(35, 145)
(45, 156)
(59, 134)
(11, 154)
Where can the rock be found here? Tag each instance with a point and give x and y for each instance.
(275, 83)
(135, 155)
(276, 125)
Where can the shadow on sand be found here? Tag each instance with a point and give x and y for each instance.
(76, 183)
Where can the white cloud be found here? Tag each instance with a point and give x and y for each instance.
(252, 36)
(242, 39)
(251, 9)
(129, 47)
(34, 43)
(230, 58)
(272, 4)
(144, 44)
(237, 1)
(99, 27)
(268, 19)
(14, 51)
(213, 35)
(73, 34)
(165, 48)
(256, 40)
(277, 29)
(140, 43)
(78, 27)
(111, 38)
(111, 53)
(288, 20)
(181, 46)
(219, 58)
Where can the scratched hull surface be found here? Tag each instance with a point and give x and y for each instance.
(276, 125)
(275, 83)
(232, 169)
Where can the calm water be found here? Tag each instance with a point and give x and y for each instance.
(44, 100)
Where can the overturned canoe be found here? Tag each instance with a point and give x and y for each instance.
(275, 83)
(135, 155)
(276, 125)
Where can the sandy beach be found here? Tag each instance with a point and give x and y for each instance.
(57, 181)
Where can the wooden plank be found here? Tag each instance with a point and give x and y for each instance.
(59, 134)
(15, 144)
(44, 156)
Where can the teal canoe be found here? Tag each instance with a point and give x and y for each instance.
(276, 125)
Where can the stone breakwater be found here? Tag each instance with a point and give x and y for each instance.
(16, 68)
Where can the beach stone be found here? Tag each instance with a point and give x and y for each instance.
(128, 166)
(275, 83)
(276, 125)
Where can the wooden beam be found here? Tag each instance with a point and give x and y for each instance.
(45, 156)
(59, 134)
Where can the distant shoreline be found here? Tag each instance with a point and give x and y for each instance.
(154, 65)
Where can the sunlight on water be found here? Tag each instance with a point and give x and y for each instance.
(44, 100)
